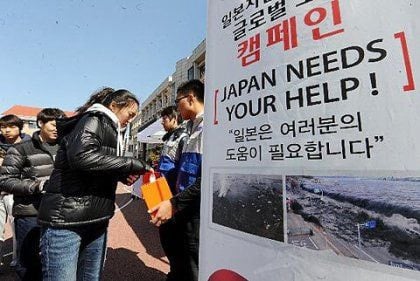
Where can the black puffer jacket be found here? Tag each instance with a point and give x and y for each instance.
(82, 186)
(25, 166)
(4, 145)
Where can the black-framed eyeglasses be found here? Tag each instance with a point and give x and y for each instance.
(179, 99)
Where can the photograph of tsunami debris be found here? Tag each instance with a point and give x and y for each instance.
(372, 219)
(249, 203)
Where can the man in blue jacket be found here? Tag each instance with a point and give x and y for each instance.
(168, 166)
(185, 205)
(173, 143)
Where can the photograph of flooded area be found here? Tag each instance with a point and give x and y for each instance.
(372, 219)
(249, 203)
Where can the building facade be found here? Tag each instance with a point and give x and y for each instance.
(191, 67)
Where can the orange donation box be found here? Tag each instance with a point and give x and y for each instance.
(155, 192)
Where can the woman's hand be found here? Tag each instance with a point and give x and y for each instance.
(131, 179)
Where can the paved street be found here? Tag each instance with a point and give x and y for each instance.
(134, 251)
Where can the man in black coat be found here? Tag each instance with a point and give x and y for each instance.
(11, 133)
(24, 172)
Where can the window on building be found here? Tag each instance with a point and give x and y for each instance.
(191, 73)
(32, 125)
(202, 71)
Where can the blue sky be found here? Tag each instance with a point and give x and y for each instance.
(56, 53)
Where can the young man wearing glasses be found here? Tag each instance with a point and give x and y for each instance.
(185, 205)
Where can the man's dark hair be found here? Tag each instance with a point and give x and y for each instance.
(11, 120)
(49, 114)
(171, 112)
(195, 86)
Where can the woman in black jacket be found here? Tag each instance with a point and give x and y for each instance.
(79, 198)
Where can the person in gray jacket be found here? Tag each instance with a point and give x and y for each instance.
(173, 143)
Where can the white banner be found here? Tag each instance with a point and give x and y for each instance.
(311, 162)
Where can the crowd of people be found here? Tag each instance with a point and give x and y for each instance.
(58, 186)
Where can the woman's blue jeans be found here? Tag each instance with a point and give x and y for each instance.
(73, 253)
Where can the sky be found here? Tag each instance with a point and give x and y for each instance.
(56, 53)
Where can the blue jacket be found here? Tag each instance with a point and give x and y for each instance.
(190, 161)
(171, 152)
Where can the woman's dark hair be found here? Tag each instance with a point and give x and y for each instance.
(172, 112)
(106, 96)
(49, 114)
(11, 120)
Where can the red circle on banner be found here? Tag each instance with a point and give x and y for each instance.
(226, 275)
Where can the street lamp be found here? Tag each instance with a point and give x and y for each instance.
(359, 238)
(319, 190)
(369, 225)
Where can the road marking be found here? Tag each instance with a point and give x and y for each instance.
(366, 254)
(316, 247)
(336, 250)
(346, 247)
